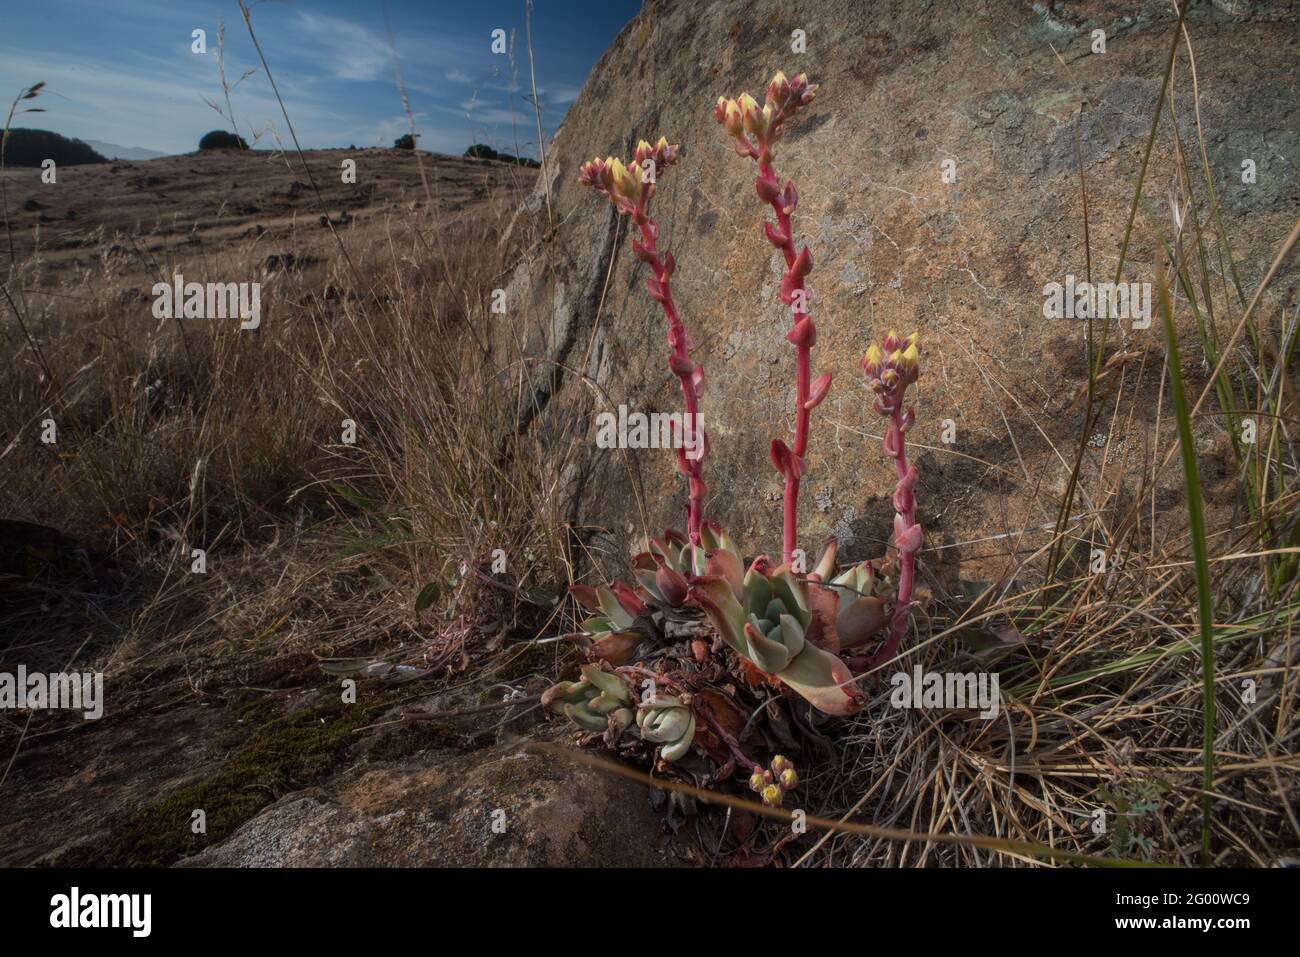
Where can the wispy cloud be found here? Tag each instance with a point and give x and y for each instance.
(348, 50)
(122, 71)
(557, 95)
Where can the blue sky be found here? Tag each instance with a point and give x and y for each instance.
(122, 71)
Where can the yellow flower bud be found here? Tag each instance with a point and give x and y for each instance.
(778, 90)
(751, 114)
(626, 182)
(772, 795)
(733, 121)
(910, 357)
(874, 355)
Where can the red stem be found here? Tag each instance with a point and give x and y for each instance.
(803, 371)
(733, 746)
(679, 341)
(902, 610)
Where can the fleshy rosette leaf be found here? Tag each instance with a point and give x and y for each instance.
(600, 701)
(664, 569)
(779, 627)
(862, 613)
(667, 567)
(609, 634)
(669, 722)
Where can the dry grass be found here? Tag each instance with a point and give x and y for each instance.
(1105, 701)
(175, 435)
(172, 438)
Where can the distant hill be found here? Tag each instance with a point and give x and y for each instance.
(479, 151)
(31, 147)
(114, 152)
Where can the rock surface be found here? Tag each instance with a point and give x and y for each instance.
(505, 806)
(995, 87)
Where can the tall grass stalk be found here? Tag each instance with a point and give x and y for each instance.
(1200, 553)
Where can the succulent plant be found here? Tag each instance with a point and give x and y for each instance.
(668, 721)
(608, 635)
(600, 701)
(785, 627)
(862, 598)
(667, 567)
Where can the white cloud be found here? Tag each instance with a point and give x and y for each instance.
(348, 50)
(559, 95)
(152, 94)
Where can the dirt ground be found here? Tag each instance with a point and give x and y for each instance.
(202, 202)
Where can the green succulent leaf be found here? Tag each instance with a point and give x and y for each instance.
(671, 752)
(646, 579)
(792, 635)
(757, 593)
(725, 612)
(665, 724)
(668, 722)
(607, 682)
(768, 653)
(614, 611)
(822, 678)
(584, 718)
(791, 592)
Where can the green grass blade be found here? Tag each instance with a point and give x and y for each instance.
(1200, 555)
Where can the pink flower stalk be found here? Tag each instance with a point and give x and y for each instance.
(890, 368)
(755, 132)
(630, 188)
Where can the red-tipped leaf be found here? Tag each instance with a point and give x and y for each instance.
(819, 391)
